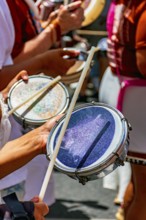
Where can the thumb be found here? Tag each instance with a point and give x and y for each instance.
(72, 53)
(36, 199)
(23, 75)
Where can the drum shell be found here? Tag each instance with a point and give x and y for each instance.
(74, 75)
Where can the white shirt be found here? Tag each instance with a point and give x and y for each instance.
(7, 34)
(7, 37)
(5, 125)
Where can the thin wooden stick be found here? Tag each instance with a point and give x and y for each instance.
(38, 2)
(66, 121)
(91, 32)
(55, 80)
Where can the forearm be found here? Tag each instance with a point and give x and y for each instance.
(37, 45)
(7, 73)
(17, 153)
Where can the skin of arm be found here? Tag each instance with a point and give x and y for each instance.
(67, 20)
(50, 63)
(20, 151)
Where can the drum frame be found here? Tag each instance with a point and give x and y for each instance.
(25, 122)
(116, 159)
(74, 77)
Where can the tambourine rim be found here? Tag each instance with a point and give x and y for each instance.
(74, 76)
(32, 121)
(105, 163)
(102, 4)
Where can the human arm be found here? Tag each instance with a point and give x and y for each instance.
(67, 20)
(50, 63)
(21, 75)
(70, 17)
(141, 44)
(20, 151)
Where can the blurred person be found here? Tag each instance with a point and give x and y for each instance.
(119, 179)
(29, 41)
(126, 53)
(47, 62)
(43, 62)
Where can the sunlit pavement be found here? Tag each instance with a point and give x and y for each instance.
(77, 202)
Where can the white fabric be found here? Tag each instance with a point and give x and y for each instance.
(6, 34)
(33, 186)
(134, 109)
(35, 176)
(5, 126)
(108, 93)
(34, 8)
(7, 41)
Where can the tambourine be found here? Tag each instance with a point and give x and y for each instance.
(74, 73)
(95, 142)
(93, 9)
(37, 111)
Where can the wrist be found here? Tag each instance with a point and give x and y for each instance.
(48, 36)
(4, 94)
(57, 29)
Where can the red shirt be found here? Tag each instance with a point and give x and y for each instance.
(25, 28)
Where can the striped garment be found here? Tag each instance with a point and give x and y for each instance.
(122, 45)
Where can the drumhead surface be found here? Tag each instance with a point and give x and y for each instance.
(74, 72)
(93, 134)
(54, 101)
(77, 67)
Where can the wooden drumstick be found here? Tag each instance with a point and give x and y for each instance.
(54, 81)
(92, 32)
(66, 2)
(38, 2)
(65, 124)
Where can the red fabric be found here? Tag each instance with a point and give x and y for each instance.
(126, 36)
(24, 25)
